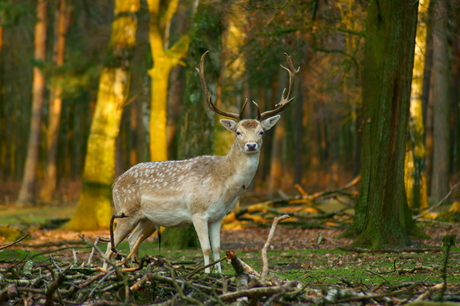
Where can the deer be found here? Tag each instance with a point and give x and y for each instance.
(199, 191)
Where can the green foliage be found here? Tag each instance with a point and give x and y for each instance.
(11, 11)
(9, 233)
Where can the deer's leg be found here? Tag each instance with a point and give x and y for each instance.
(214, 235)
(124, 227)
(144, 229)
(201, 228)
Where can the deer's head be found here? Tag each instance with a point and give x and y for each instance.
(249, 131)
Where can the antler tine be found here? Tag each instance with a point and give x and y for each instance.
(285, 100)
(258, 110)
(242, 109)
(208, 96)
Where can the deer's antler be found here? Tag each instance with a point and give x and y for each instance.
(285, 100)
(208, 96)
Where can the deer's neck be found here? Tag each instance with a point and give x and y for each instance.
(242, 166)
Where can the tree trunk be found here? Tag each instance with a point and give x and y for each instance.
(440, 95)
(197, 124)
(415, 170)
(4, 165)
(50, 179)
(94, 205)
(382, 216)
(164, 60)
(233, 72)
(26, 193)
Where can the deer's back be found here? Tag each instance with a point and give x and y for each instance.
(167, 181)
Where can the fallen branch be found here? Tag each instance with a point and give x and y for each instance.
(263, 277)
(257, 292)
(13, 243)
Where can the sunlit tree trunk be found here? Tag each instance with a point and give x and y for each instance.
(164, 59)
(233, 71)
(49, 181)
(382, 216)
(94, 205)
(26, 193)
(440, 94)
(415, 170)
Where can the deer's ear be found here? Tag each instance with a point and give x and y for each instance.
(270, 122)
(229, 124)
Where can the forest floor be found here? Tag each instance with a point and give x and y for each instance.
(307, 266)
(306, 261)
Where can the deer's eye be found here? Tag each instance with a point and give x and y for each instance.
(238, 133)
(261, 133)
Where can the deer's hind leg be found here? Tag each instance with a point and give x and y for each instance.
(145, 228)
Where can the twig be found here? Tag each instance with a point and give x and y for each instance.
(376, 296)
(257, 292)
(112, 220)
(13, 243)
(90, 257)
(448, 241)
(263, 277)
(204, 267)
(52, 288)
(438, 204)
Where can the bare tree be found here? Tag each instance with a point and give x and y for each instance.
(55, 105)
(29, 180)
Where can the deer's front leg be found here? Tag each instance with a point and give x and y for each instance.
(201, 228)
(214, 235)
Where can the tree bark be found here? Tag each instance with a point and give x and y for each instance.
(197, 124)
(382, 216)
(440, 96)
(27, 191)
(232, 72)
(50, 177)
(94, 205)
(164, 60)
(415, 169)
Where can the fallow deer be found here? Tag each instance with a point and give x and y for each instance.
(198, 191)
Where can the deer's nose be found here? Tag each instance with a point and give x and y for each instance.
(251, 146)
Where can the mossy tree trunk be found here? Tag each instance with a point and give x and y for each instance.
(94, 208)
(197, 124)
(382, 217)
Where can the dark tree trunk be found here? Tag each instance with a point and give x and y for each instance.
(382, 216)
(197, 124)
(440, 85)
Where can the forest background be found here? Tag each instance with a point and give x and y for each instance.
(57, 59)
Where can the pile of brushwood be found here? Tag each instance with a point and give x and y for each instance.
(155, 281)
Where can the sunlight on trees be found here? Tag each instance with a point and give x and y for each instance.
(415, 170)
(29, 180)
(94, 207)
(55, 105)
(164, 59)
